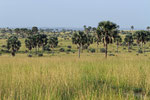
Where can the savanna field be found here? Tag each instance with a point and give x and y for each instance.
(63, 76)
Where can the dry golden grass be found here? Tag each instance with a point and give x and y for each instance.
(65, 77)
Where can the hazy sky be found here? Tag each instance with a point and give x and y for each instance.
(74, 13)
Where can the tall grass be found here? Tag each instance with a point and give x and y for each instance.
(68, 78)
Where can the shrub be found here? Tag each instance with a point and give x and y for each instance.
(134, 44)
(40, 54)
(146, 47)
(85, 47)
(26, 51)
(5, 51)
(124, 48)
(29, 55)
(92, 50)
(47, 48)
(0, 53)
(69, 46)
(68, 50)
(140, 51)
(3, 46)
(111, 54)
(61, 49)
(102, 50)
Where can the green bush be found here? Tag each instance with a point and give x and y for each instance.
(140, 51)
(47, 48)
(92, 50)
(102, 50)
(40, 54)
(69, 46)
(62, 50)
(111, 54)
(134, 44)
(68, 50)
(29, 55)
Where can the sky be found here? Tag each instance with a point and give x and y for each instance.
(74, 13)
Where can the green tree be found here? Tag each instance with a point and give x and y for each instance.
(141, 37)
(53, 42)
(106, 30)
(80, 39)
(17, 30)
(13, 44)
(88, 41)
(132, 27)
(29, 43)
(148, 28)
(129, 40)
(118, 40)
(44, 41)
(34, 30)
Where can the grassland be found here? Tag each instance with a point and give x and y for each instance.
(124, 76)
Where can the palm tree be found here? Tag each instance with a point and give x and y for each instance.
(97, 38)
(129, 40)
(106, 30)
(141, 37)
(89, 29)
(34, 30)
(148, 28)
(43, 41)
(29, 43)
(132, 27)
(88, 41)
(17, 30)
(53, 42)
(118, 40)
(80, 39)
(85, 29)
(13, 44)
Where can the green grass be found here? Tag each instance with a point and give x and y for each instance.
(65, 77)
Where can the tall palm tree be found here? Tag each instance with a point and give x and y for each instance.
(148, 28)
(79, 38)
(141, 37)
(13, 44)
(17, 30)
(53, 42)
(34, 30)
(132, 27)
(118, 40)
(44, 41)
(106, 30)
(129, 40)
(29, 43)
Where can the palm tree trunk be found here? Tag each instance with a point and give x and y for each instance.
(128, 47)
(42, 48)
(38, 49)
(138, 47)
(97, 47)
(30, 51)
(79, 52)
(52, 51)
(106, 47)
(81, 48)
(117, 46)
(13, 52)
(144, 47)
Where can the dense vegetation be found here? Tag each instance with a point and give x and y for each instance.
(42, 64)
